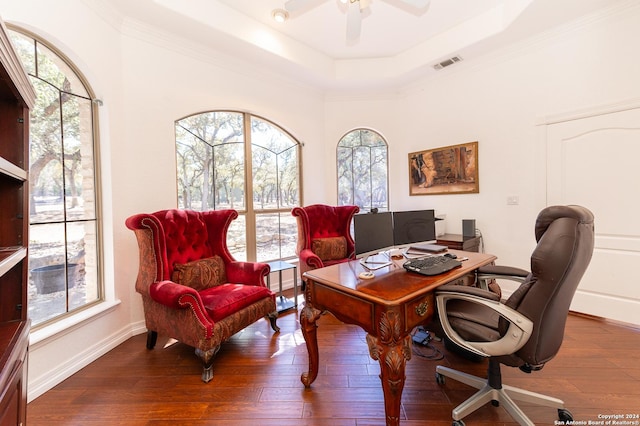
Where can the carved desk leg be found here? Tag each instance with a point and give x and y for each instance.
(308, 318)
(392, 352)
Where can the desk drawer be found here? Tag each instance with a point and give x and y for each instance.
(419, 310)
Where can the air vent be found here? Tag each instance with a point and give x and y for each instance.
(447, 62)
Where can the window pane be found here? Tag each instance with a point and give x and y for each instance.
(81, 252)
(78, 158)
(56, 72)
(210, 158)
(195, 171)
(47, 281)
(276, 236)
(379, 196)
(275, 166)
(26, 49)
(237, 238)
(228, 172)
(288, 235)
(45, 156)
(345, 176)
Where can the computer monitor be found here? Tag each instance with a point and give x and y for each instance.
(415, 226)
(372, 233)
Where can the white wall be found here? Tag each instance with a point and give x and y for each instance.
(147, 81)
(498, 101)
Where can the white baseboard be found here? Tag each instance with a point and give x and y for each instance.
(39, 385)
(607, 306)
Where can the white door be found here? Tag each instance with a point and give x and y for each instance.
(595, 162)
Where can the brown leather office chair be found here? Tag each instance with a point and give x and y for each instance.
(527, 329)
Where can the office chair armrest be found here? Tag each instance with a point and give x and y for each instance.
(487, 273)
(518, 332)
(473, 291)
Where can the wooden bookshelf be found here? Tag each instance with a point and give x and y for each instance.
(16, 98)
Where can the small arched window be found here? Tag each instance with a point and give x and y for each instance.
(363, 170)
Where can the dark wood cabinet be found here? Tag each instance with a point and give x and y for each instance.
(458, 242)
(16, 98)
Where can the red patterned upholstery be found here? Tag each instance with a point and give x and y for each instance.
(322, 224)
(203, 319)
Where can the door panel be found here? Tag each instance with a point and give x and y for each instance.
(594, 162)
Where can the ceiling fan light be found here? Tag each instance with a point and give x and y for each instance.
(280, 15)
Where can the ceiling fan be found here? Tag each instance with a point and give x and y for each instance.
(355, 11)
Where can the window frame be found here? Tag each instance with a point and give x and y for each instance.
(56, 323)
(249, 212)
(353, 192)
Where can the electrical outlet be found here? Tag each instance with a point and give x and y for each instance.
(513, 200)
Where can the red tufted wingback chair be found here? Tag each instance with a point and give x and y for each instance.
(192, 288)
(324, 235)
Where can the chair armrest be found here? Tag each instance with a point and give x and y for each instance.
(498, 272)
(249, 273)
(473, 291)
(178, 296)
(518, 332)
(309, 258)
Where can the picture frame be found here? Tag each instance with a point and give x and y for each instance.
(446, 170)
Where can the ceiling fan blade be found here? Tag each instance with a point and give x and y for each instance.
(417, 3)
(354, 22)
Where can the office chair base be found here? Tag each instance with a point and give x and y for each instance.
(506, 396)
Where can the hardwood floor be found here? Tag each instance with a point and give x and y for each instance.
(257, 382)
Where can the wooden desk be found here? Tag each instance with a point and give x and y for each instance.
(387, 307)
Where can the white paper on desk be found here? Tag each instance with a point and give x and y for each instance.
(375, 262)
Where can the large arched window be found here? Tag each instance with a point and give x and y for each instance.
(63, 222)
(363, 170)
(230, 159)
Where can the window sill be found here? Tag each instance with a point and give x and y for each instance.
(71, 323)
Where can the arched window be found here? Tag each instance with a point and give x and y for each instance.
(363, 170)
(63, 227)
(235, 160)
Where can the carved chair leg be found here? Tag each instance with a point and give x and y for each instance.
(152, 337)
(207, 362)
(273, 316)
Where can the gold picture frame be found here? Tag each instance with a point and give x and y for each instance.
(447, 170)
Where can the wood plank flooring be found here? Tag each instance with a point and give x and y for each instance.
(257, 382)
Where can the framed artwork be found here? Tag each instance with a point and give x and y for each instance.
(447, 170)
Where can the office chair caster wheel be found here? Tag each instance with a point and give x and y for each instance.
(440, 379)
(495, 403)
(457, 423)
(565, 415)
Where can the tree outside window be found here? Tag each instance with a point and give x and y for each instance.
(63, 225)
(234, 160)
(363, 170)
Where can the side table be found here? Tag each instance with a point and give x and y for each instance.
(282, 303)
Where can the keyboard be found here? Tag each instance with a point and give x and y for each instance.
(432, 265)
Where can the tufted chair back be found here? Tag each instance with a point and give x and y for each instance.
(320, 222)
(185, 236)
